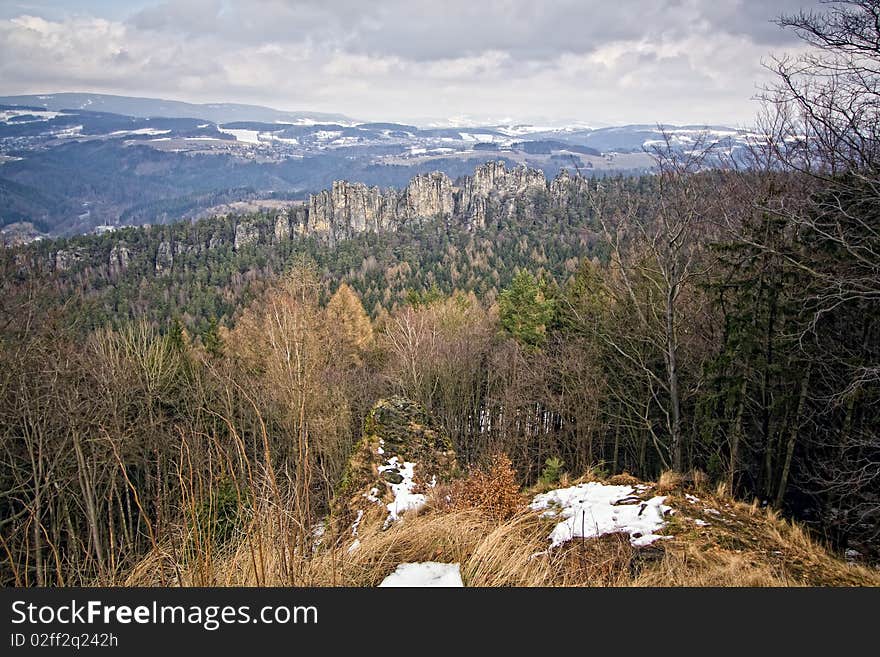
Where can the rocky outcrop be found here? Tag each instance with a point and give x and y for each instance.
(282, 227)
(492, 193)
(401, 457)
(565, 188)
(66, 259)
(350, 208)
(118, 260)
(164, 257)
(246, 233)
(430, 195)
(493, 186)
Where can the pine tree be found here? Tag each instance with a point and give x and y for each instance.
(525, 311)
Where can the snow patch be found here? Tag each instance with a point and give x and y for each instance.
(357, 522)
(37, 114)
(404, 498)
(593, 509)
(246, 136)
(428, 573)
(139, 131)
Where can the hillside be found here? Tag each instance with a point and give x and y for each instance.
(406, 507)
(580, 328)
(470, 234)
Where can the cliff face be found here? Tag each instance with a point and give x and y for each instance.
(346, 209)
(350, 208)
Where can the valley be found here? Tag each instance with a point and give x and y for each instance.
(69, 170)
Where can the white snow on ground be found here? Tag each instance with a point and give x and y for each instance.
(284, 140)
(69, 132)
(428, 573)
(140, 131)
(247, 136)
(589, 510)
(714, 512)
(40, 115)
(327, 135)
(357, 522)
(404, 498)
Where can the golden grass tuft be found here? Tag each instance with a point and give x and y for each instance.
(699, 480)
(669, 481)
(624, 479)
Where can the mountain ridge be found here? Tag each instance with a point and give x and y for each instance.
(147, 107)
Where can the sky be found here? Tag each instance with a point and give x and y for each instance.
(481, 61)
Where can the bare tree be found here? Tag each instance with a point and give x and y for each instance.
(656, 245)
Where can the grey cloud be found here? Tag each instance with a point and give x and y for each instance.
(420, 30)
(623, 61)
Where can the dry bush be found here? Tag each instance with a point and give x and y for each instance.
(669, 481)
(623, 479)
(494, 490)
(699, 480)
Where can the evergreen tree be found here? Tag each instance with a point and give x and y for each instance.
(525, 311)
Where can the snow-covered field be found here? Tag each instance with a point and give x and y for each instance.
(38, 115)
(246, 136)
(139, 131)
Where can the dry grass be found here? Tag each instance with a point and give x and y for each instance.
(744, 545)
(669, 481)
(624, 479)
(741, 545)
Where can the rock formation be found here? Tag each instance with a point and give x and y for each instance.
(401, 457)
(246, 233)
(493, 192)
(119, 259)
(349, 208)
(164, 257)
(282, 227)
(66, 258)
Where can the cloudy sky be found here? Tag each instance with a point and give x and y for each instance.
(599, 62)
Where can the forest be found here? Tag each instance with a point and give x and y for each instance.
(721, 323)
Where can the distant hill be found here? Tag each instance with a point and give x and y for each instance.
(71, 162)
(157, 107)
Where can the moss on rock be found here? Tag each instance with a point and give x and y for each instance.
(394, 427)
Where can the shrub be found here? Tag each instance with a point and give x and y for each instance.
(494, 491)
(552, 471)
